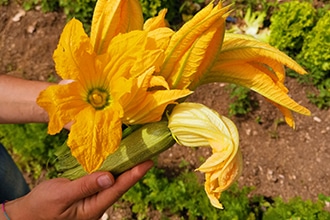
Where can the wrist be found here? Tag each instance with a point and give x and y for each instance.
(6, 208)
(4, 212)
(15, 210)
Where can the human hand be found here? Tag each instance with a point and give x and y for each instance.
(85, 198)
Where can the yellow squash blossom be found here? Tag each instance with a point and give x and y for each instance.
(195, 125)
(113, 81)
(128, 71)
(201, 52)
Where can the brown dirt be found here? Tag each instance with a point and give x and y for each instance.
(278, 160)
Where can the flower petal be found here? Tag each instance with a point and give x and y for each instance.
(113, 17)
(100, 137)
(58, 101)
(243, 47)
(153, 106)
(201, 126)
(132, 54)
(161, 36)
(217, 182)
(74, 51)
(193, 48)
(143, 106)
(156, 22)
(246, 74)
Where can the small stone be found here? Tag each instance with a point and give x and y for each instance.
(105, 216)
(19, 15)
(30, 29)
(317, 119)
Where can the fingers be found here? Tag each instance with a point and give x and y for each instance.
(122, 184)
(129, 178)
(89, 185)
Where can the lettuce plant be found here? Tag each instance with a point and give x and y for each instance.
(315, 57)
(290, 24)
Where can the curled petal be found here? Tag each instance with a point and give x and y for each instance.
(194, 125)
(217, 182)
(201, 126)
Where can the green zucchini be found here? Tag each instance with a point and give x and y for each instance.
(142, 144)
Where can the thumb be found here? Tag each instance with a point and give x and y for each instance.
(90, 185)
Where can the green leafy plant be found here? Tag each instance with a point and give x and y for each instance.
(315, 57)
(296, 208)
(241, 102)
(4, 2)
(254, 22)
(259, 6)
(31, 146)
(184, 195)
(46, 6)
(80, 9)
(293, 30)
(290, 24)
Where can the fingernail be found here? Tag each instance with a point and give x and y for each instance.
(104, 181)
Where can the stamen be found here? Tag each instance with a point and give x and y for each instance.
(98, 98)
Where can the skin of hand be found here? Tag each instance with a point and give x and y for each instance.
(18, 100)
(85, 198)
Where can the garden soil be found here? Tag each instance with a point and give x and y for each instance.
(278, 161)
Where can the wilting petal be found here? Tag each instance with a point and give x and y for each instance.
(73, 51)
(201, 126)
(92, 140)
(288, 117)
(217, 182)
(240, 48)
(256, 65)
(193, 48)
(247, 75)
(113, 17)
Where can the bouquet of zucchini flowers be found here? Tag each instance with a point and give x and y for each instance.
(129, 79)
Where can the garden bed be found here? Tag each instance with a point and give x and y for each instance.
(278, 161)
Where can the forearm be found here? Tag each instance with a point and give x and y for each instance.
(18, 100)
